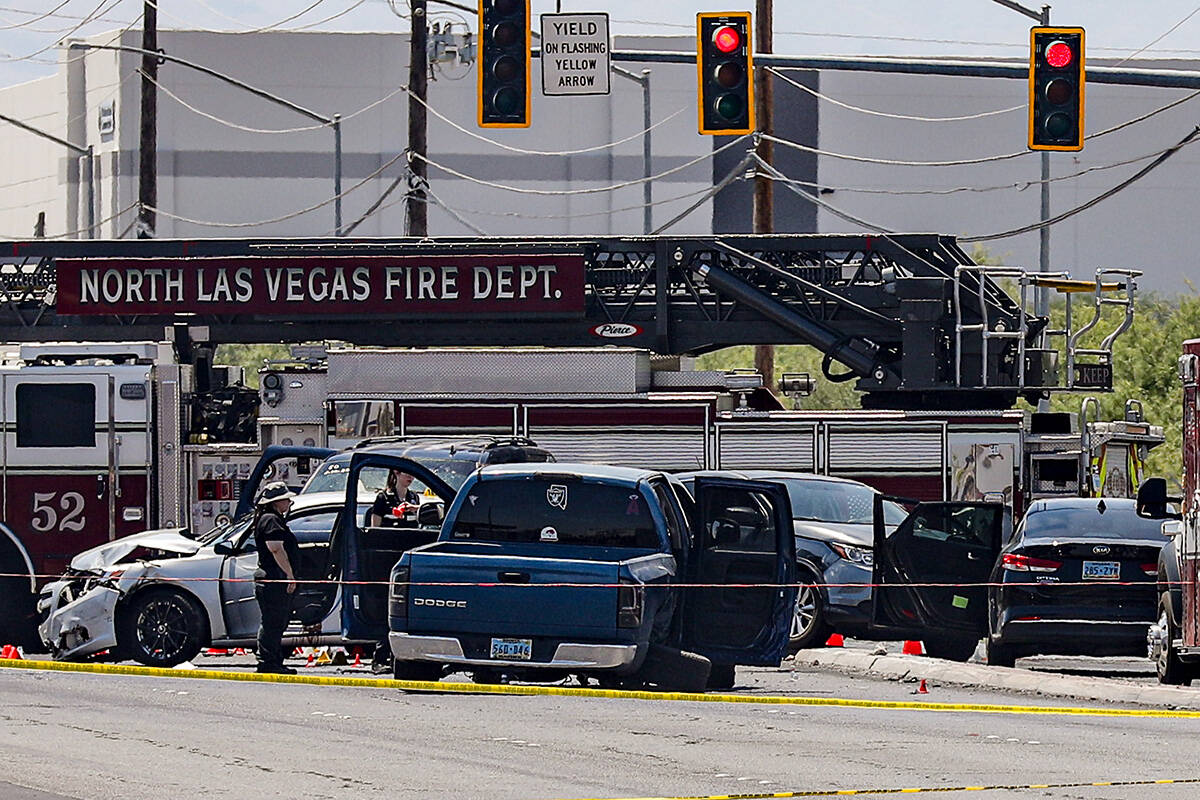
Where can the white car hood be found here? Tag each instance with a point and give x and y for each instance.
(171, 540)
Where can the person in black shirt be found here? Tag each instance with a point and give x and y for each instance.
(383, 512)
(275, 579)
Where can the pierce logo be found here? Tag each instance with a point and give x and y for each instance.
(616, 330)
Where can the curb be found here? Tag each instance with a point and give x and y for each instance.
(912, 668)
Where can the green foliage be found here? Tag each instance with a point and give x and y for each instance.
(250, 356)
(790, 358)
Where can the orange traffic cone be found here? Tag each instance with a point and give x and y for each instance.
(835, 640)
(216, 651)
(311, 659)
(11, 652)
(241, 651)
(357, 659)
(921, 688)
(913, 648)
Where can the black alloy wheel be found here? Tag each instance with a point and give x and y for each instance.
(162, 628)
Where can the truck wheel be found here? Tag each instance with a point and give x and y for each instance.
(162, 628)
(416, 670)
(722, 676)
(1171, 669)
(951, 649)
(1000, 655)
(675, 670)
(809, 628)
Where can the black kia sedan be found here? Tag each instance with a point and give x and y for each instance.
(1077, 577)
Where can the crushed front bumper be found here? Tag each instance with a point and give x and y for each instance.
(569, 656)
(77, 626)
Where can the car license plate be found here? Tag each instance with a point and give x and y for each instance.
(1101, 569)
(512, 649)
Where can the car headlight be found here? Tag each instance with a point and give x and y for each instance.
(859, 555)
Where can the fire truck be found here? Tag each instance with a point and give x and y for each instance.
(941, 348)
(108, 439)
(1174, 640)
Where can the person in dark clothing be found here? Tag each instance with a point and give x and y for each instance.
(396, 496)
(275, 579)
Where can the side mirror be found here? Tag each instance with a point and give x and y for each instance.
(1152, 500)
(430, 514)
(1172, 527)
(223, 548)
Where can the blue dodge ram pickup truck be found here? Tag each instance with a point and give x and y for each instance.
(546, 570)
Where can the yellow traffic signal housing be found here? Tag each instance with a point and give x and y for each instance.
(504, 64)
(1056, 88)
(724, 73)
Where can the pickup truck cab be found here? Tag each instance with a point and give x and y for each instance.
(544, 570)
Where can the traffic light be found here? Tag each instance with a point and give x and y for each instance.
(725, 73)
(504, 35)
(1056, 79)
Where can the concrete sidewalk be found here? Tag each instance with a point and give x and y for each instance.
(934, 670)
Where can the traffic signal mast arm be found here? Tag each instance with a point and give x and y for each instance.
(912, 318)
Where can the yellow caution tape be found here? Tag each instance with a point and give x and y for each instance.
(914, 790)
(565, 691)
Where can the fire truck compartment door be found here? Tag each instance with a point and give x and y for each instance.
(264, 470)
(58, 462)
(929, 573)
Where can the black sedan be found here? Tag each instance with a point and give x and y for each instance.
(1077, 577)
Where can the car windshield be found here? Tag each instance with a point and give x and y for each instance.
(229, 530)
(1088, 522)
(837, 502)
(331, 477)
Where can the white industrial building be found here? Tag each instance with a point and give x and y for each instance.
(233, 164)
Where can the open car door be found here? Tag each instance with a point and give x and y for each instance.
(930, 572)
(743, 536)
(268, 467)
(366, 555)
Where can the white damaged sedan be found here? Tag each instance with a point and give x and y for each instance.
(159, 597)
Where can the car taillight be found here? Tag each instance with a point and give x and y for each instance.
(1020, 563)
(631, 601)
(400, 578)
(1151, 569)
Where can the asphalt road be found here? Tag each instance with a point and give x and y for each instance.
(104, 736)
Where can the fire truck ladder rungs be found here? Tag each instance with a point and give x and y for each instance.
(983, 328)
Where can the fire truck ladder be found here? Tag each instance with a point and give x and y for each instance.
(902, 313)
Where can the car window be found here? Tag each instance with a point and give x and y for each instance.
(331, 477)
(970, 525)
(738, 519)
(562, 511)
(228, 532)
(837, 502)
(676, 527)
(1078, 522)
(313, 528)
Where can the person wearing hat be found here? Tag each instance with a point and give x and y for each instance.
(275, 579)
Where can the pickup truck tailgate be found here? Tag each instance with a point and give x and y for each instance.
(511, 595)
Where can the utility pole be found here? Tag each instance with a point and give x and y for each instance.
(764, 190)
(418, 74)
(148, 147)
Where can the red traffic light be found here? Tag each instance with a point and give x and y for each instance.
(727, 39)
(1059, 54)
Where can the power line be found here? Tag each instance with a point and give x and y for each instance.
(1168, 32)
(596, 190)
(874, 113)
(96, 12)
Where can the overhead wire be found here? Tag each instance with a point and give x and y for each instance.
(37, 18)
(1168, 32)
(77, 232)
(732, 175)
(524, 151)
(96, 12)
(225, 122)
(874, 113)
(285, 217)
(593, 190)
(984, 159)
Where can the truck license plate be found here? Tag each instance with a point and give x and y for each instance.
(512, 649)
(1101, 569)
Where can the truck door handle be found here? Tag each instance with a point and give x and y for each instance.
(513, 577)
(973, 556)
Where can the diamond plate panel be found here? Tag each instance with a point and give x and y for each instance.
(510, 372)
